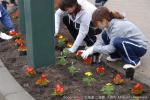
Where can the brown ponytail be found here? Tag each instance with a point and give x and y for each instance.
(104, 13)
(116, 15)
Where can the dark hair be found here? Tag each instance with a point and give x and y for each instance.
(68, 3)
(104, 13)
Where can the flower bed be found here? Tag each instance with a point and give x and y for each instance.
(72, 85)
(71, 80)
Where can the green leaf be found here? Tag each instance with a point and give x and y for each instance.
(107, 90)
(101, 74)
(65, 52)
(62, 61)
(61, 42)
(73, 70)
(89, 81)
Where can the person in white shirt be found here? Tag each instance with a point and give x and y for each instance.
(77, 15)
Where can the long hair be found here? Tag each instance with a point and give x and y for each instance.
(104, 13)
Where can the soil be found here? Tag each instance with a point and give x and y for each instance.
(73, 85)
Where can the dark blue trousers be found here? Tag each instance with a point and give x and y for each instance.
(5, 18)
(128, 50)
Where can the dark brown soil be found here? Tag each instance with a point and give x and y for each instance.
(59, 74)
(73, 85)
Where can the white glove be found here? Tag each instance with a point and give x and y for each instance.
(71, 50)
(87, 52)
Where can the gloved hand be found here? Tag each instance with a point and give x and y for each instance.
(87, 52)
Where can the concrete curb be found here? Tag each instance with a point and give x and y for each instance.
(9, 88)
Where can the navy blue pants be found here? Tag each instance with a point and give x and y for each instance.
(128, 50)
(5, 18)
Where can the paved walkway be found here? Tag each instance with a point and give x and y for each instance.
(9, 87)
(138, 11)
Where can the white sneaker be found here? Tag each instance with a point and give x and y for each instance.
(4, 36)
(112, 59)
(126, 66)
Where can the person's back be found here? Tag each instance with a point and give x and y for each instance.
(125, 28)
(86, 5)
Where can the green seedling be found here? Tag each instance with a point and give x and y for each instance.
(72, 70)
(107, 89)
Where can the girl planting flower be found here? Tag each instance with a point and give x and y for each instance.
(120, 39)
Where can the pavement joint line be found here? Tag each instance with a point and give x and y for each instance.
(13, 93)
